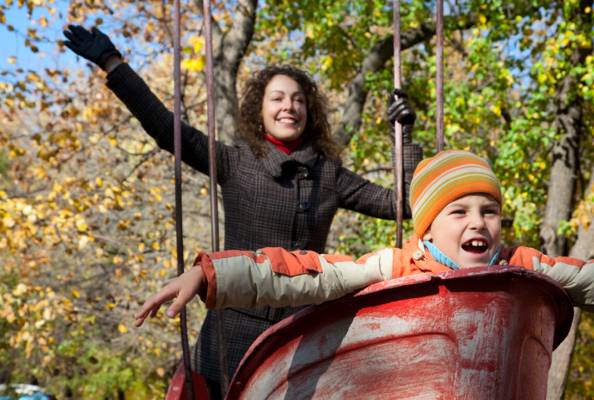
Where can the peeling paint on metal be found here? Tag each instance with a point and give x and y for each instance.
(474, 334)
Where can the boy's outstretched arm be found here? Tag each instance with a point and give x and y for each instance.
(278, 278)
(268, 277)
(183, 288)
(574, 275)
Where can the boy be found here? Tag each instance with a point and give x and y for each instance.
(456, 206)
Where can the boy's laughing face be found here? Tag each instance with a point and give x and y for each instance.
(468, 230)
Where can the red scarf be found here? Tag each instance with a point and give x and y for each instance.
(285, 147)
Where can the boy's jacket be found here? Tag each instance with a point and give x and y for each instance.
(277, 277)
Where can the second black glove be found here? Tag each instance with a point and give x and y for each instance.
(400, 110)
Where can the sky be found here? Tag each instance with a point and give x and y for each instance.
(12, 43)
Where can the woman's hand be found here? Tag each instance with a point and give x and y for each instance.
(400, 110)
(93, 45)
(183, 288)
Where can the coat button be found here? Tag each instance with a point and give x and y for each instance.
(303, 172)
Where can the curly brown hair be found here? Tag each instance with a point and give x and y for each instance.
(317, 128)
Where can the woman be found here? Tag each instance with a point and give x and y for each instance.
(281, 182)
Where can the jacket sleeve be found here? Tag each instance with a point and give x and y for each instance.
(575, 276)
(276, 277)
(359, 194)
(157, 121)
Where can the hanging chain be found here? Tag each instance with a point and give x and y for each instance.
(397, 156)
(178, 192)
(212, 172)
(439, 124)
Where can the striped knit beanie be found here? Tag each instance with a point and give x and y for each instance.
(445, 177)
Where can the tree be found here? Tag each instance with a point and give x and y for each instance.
(86, 199)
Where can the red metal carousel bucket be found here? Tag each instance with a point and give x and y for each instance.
(482, 333)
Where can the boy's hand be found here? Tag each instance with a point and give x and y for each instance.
(182, 289)
(93, 45)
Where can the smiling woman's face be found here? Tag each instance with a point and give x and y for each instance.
(284, 109)
(468, 230)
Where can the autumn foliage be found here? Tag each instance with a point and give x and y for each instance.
(86, 197)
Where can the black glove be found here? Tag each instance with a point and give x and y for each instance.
(95, 45)
(399, 110)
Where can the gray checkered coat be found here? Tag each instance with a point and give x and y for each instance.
(279, 200)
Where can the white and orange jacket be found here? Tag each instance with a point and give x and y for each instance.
(276, 277)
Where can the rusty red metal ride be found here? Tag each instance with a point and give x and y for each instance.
(480, 333)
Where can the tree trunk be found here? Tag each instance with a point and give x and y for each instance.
(379, 55)
(562, 194)
(373, 62)
(562, 355)
(229, 48)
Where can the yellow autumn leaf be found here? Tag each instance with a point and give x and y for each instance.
(10, 317)
(67, 304)
(122, 328)
(83, 241)
(20, 289)
(75, 293)
(149, 27)
(327, 63)
(81, 224)
(197, 42)
(194, 64)
(8, 222)
(156, 195)
(496, 110)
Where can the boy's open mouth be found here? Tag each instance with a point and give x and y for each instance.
(475, 246)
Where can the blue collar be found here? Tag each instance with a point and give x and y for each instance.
(447, 261)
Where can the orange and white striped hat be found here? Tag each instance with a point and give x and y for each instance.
(445, 177)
